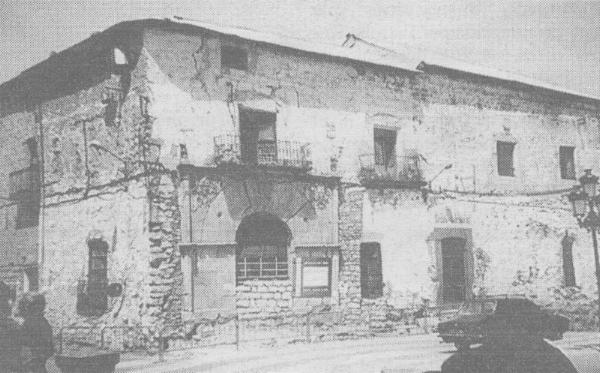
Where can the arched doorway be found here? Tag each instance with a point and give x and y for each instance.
(262, 248)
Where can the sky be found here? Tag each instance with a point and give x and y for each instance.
(556, 41)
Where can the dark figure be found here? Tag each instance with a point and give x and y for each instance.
(36, 333)
(9, 334)
(525, 355)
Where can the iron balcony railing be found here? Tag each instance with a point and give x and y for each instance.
(229, 149)
(24, 182)
(402, 171)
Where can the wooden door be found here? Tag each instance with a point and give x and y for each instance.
(453, 270)
(371, 278)
(214, 281)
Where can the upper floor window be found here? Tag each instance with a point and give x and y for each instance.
(505, 152)
(234, 57)
(567, 162)
(385, 147)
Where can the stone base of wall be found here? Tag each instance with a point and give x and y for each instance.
(260, 298)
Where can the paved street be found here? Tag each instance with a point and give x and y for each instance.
(399, 354)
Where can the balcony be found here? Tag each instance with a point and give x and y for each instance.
(405, 172)
(229, 150)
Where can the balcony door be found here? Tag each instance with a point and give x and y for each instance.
(258, 137)
(385, 152)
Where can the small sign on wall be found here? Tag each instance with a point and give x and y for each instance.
(316, 277)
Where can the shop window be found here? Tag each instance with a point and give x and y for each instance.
(385, 147)
(371, 278)
(234, 58)
(567, 162)
(316, 277)
(505, 152)
(92, 294)
(567, 256)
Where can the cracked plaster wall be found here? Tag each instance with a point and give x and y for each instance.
(447, 119)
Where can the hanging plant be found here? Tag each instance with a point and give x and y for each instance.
(205, 191)
(319, 195)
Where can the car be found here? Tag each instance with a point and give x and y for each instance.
(501, 318)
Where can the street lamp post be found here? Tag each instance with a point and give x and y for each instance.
(583, 198)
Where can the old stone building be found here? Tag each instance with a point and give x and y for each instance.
(165, 170)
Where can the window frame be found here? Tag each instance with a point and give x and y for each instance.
(567, 170)
(502, 157)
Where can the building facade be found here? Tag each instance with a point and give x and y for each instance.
(178, 170)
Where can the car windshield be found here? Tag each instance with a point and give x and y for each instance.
(473, 308)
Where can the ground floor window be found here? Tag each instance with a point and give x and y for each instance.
(371, 278)
(92, 297)
(262, 252)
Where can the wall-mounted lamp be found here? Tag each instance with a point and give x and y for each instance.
(425, 191)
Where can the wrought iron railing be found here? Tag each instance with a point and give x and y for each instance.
(230, 149)
(404, 171)
(24, 181)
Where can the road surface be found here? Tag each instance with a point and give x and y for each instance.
(391, 354)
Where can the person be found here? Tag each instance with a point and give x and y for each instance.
(36, 333)
(9, 333)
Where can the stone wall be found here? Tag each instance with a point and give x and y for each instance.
(350, 236)
(257, 298)
(164, 306)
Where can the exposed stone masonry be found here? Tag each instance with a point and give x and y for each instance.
(350, 231)
(165, 282)
(258, 298)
